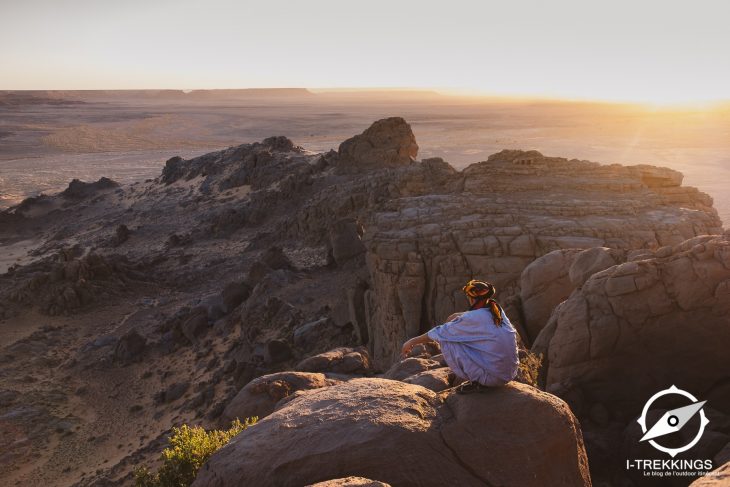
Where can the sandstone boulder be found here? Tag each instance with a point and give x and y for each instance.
(259, 397)
(130, 347)
(410, 367)
(437, 379)
(386, 143)
(233, 294)
(406, 435)
(633, 328)
(543, 285)
(343, 360)
(590, 261)
(550, 279)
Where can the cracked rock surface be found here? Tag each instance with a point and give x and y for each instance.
(636, 326)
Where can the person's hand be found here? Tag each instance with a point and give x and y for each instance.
(453, 316)
(407, 347)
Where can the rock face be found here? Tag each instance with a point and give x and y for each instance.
(550, 279)
(543, 285)
(634, 327)
(494, 218)
(386, 143)
(515, 435)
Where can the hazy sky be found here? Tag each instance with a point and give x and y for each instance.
(644, 50)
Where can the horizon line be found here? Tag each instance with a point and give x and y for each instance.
(434, 91)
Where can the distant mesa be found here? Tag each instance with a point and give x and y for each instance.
(20, 98)
(71, 97)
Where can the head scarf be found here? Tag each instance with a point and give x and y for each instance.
(482, 293)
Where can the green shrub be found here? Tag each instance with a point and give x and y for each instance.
(529, 369)
(189, 448)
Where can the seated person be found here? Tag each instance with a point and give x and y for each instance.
(479, 345)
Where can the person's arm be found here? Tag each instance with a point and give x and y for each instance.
(408, 345)
(453, 316)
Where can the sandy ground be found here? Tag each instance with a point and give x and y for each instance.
(126, 138)
(16, 253)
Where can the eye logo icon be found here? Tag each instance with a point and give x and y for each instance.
(673, 421)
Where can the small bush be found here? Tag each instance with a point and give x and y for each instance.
(189, 448)
(529, 369)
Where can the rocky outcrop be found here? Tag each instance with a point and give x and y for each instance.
(502, 216)
(254, 164)
(130, 347)
(67, 282)
(514, 435)
(79, 189)
(634, 327)
(386, 143)
(259, 397)
(342, 360)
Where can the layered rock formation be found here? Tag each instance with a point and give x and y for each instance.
(499, 217)
(641, 323)
(407, 435)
